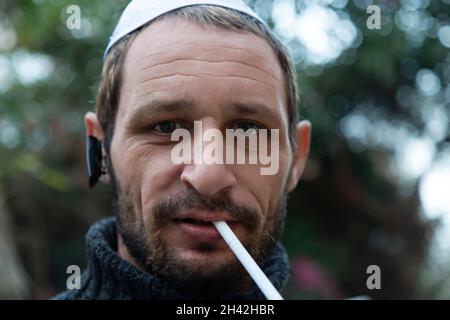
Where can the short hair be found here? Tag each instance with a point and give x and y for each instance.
(108, 91)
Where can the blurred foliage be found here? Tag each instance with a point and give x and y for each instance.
(352, 209)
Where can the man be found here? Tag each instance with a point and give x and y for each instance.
(170, 64)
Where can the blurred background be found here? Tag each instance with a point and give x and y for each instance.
(376, 190)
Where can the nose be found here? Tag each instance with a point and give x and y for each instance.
(208, 179)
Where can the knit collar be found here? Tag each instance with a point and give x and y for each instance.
(108, 276)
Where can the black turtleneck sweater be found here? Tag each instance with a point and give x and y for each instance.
(108, 276)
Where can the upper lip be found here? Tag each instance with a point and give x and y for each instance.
(204, 216)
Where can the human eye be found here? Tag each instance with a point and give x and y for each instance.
(166, 127)
(248, 127)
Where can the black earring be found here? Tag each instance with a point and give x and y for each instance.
(94, 160)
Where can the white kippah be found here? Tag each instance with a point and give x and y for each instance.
(139, 12)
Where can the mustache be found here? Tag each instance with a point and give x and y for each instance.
(190, 199)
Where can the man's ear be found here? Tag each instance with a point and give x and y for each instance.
(94, 129)
(303, 138)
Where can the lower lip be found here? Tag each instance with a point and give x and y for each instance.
(205, 233)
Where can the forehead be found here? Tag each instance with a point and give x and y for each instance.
(175, 54)
(174, 37)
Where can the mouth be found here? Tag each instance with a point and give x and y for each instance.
(196, 222)
(201, 229)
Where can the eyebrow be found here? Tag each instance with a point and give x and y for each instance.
(142, 112)
(255, 108)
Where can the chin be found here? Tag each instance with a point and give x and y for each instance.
(206, 263)
(209, 271)
(206, 258)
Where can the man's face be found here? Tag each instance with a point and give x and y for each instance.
(177, 72)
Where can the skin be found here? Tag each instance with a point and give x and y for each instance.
(214, 70)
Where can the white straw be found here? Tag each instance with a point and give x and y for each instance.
(247, 261)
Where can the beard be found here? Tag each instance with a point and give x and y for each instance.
(144, 244)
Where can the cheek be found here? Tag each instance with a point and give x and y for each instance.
(264, 189)
(142, 170)
(154, 175)
(269, 188)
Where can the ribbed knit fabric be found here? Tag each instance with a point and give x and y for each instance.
(108, 276)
